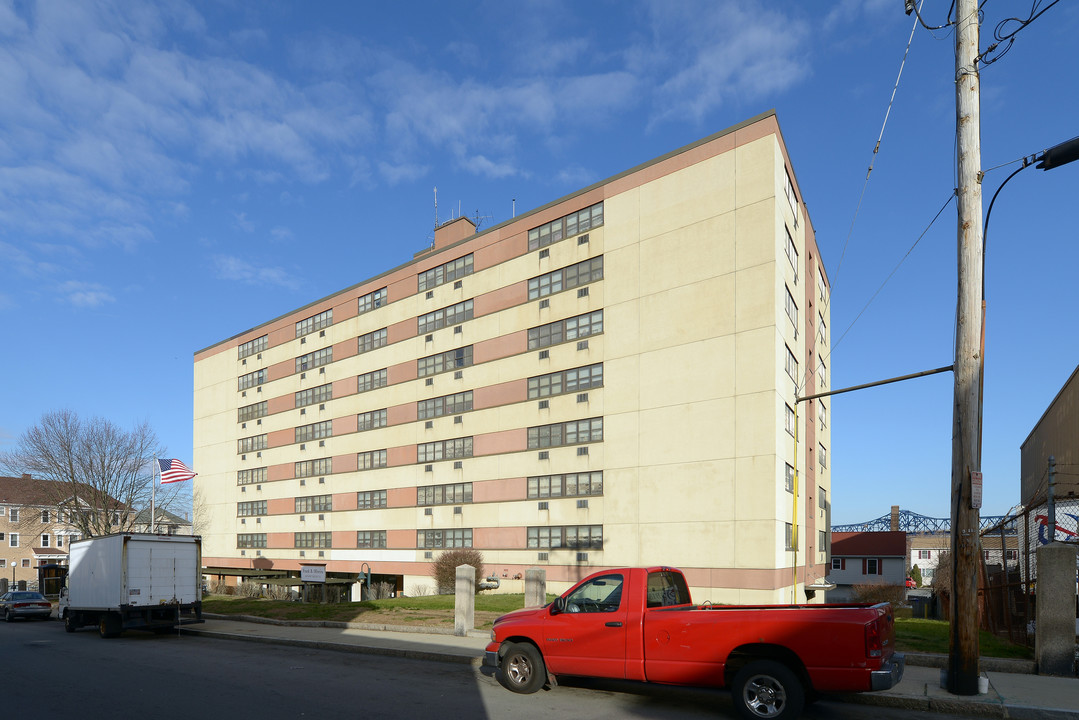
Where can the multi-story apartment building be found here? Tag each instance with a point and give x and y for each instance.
(34, 529)
(610, 379)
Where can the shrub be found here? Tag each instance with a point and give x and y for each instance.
(444, 569)
(916, 575)
(879, 592)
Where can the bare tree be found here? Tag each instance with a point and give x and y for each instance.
(100, 475)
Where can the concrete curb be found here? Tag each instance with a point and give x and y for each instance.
(416, 629)
(987, 664)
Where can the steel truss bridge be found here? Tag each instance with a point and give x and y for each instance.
(914, 524)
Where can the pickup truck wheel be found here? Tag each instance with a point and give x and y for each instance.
(521, 669)
(768, 689)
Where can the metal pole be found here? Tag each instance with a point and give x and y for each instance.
(967, 411)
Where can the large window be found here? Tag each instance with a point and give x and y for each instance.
(250, 412)
(564, 330)
(314, 359)
(251, 540)
(371, 538)
(314, 504)
(791, 307)
(319, 394)
(567, 433)
(788, 479)
(370, 499)
(251, 444)
(569, 485)
(566, 226)
(249, 509)
(440, 362)
(792, 365)
(311, 468)
(372, 301)
(314, 431)
(452, 315)
(444, 450)
(315, 322)
(313, 539)
(445, 405)
(566, 381)
(582, 537)
(566, 278)
(252, 346)
(371, 420)
(251, 379)
(251, 476)
(371, 459)
(372, 341)
(435, 539)
(448, 272)
(371, 381)
(452, 494)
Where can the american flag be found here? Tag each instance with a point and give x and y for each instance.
(174, 471)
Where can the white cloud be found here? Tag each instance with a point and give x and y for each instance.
(85, 294)
(234, 269)
(241, 222)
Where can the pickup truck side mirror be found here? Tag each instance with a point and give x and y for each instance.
(558, 606)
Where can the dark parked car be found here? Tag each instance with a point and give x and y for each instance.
(18, 603)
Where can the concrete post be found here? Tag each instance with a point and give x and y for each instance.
(1054, 633)
(535, 587)
(464, 605)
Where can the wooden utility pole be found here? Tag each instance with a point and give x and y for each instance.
(969, 351)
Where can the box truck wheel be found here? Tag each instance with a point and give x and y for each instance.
(69, 622)
(109, 625)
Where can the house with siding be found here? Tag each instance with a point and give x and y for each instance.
(866, 558)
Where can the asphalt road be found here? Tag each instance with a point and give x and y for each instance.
(47, 673)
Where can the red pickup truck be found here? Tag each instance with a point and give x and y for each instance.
(640, 624)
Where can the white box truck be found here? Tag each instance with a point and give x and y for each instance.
(132, 580)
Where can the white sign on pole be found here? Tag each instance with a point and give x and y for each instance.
(313, 573)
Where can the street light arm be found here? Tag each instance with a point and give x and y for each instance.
(1058, 155)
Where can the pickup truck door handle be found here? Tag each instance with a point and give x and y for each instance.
(614, 623)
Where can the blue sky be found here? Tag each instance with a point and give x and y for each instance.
(174, 173)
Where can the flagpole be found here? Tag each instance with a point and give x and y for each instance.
(153, 493)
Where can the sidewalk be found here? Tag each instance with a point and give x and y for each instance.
(1014, 692)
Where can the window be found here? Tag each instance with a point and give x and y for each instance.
(314, 431)
(564, 330)
(788, 190)
(440, 362)
(792, 308)
(872, 566)
(249, 509)
(44, 516)
(14, 515)
(313, 540)
(445, 405)
(822, 456)
(822, 373)
(569, 485)
(581, 537)
(250, 412)
(822, 329)
(311, 468)
(453, 494)
(566, 226)
(444, 538)
(566, 278)
(371, 381)
(566, 381)
(452, 315)
(665, 589)
(319, 394)
(792, 365)
(371, 539)
(789, 540)
(252, 347)
(790, 423)
(251, 379)
(371, 499)
(822, 541)
(371, 459)
(45, 540)
(1011, 554)
(372, 301)
(314, 504)
(925, 554)
(792, 251)
(448, 272)
(315, 322)
(822, 289)
(59, 541)
(251, 540)
(788, 480)
(248, 477)
(13, 540)
(567, 433)
(822, 413)
(251, 444)
(371, 420)
(314, 359)
(837, 563)
(822, 498)
(444, 450)
(372, 340)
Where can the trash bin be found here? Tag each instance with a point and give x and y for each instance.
(919, 607)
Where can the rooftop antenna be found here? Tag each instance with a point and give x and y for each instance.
(514, 207)
(436, 206)
(478, 219)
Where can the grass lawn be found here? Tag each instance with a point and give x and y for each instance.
(931, 636)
